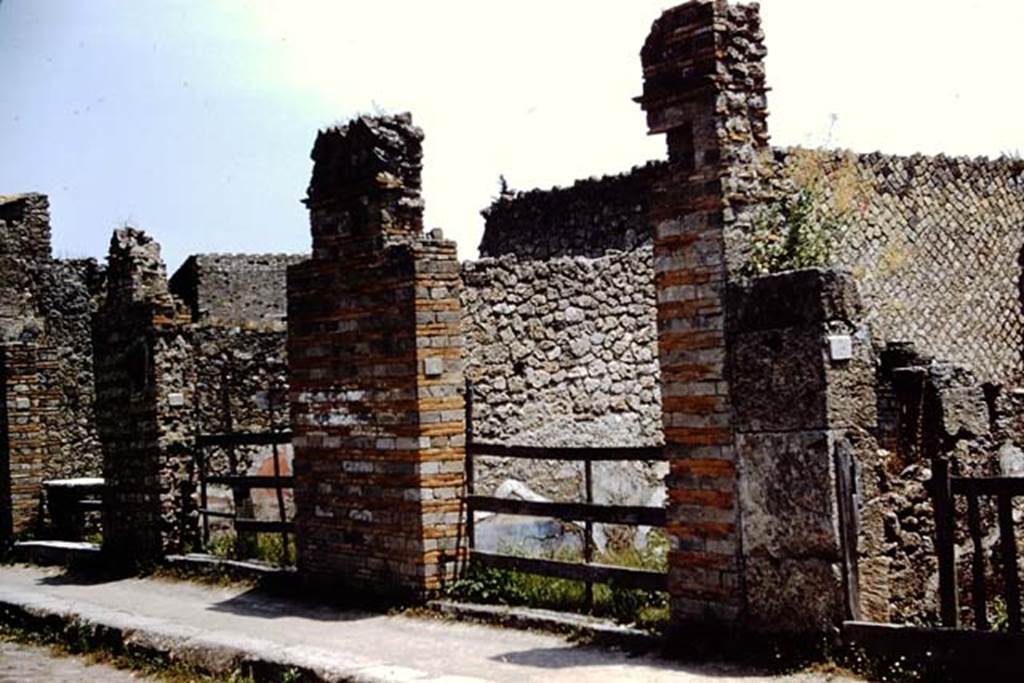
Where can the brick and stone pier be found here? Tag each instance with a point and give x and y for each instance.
(144, 391)
(752, 493)
(375, 370)
(712, 116)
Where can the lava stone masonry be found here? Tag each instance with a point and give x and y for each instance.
(235, 289)
(49, 304)
(563, 352)
(591, 217)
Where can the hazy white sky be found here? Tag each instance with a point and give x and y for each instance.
(193, 119)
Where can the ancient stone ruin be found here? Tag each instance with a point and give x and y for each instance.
(801, 331)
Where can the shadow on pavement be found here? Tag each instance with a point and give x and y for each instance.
(259, 602)
(588, 656)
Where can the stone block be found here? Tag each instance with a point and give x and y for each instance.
(787, 494)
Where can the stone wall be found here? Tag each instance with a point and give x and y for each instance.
(24, 257)
(238, 305)
(235, 289)
(563, 352)
(931, 409)
(934, 242)
(69, 296)
(591, 217)
(49, 304)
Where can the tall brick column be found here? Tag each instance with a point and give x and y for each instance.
(703, 88)
(144, 384)
(375, 370)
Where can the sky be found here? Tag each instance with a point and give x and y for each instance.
(193, 119)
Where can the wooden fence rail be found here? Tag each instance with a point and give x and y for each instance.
(944, 489)
(588, 512)
(242, 484)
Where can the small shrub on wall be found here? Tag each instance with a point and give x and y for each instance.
(801, 229)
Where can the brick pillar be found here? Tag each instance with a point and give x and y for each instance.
(375, 370)
(29, 408)
(144, 384)
(703, 88)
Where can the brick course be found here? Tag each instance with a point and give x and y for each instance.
(704, 88)
(374, 347)
(31, 407)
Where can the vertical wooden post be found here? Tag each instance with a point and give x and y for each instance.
(203, 502)
(845, 493)
(977, 564)
(588, 538)
(942, 499)
(1008, 546)
(470, 522)
(199, 456)
(277, 477)
(240, 496)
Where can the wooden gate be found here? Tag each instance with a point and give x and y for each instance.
(243, 522)
(944, 490)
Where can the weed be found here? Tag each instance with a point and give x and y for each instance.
(645, 609)
(802, 229)
(76, 639)
(268, 548)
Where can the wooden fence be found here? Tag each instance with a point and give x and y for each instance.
(944, 490)
(586, 511)
(242, 485)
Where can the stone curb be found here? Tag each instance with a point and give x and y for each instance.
(560, 623)
(213, 652)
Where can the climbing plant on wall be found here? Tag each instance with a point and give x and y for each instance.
(800, 230)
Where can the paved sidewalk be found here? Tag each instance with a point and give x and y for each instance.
(220, 623)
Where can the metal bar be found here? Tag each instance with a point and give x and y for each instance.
(1008, 546)
(227, 439)
(583, 512)
(588, 534)
(646, 453)
(597, 573)
(987, 486)
(943, 505)
(977, 565)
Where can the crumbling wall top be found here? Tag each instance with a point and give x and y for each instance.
(234, 289)
(136, 273)
(366, 185)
